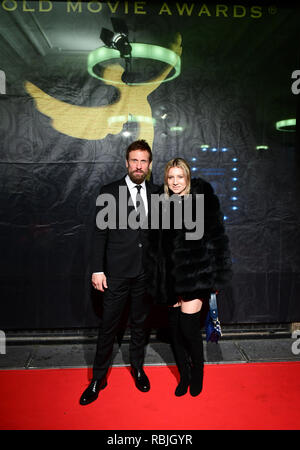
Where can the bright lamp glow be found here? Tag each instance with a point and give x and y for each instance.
(131, 118)
(286, 125)
(262, 147)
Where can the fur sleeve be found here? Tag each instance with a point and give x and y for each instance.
(215, 235)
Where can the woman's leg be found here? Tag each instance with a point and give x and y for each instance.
(191, 306)
(179, 350)
(191, 331)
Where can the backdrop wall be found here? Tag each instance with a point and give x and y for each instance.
(63, 133)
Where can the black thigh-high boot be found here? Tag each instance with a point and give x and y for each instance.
(179, 350)
(191, 331)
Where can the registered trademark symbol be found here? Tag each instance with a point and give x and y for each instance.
(272, 10)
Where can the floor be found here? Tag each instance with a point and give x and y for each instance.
(45, 355)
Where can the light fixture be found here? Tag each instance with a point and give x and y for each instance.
(131, 118)
(286, 125)
(118, 39)
(139, 50)
(176, 129)
(262, 147)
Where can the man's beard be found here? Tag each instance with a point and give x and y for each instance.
(137, 177)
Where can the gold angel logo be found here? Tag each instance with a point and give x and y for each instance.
(95, 123)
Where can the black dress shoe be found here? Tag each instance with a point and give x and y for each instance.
(183, 386)
(92, 391)
(141, 379)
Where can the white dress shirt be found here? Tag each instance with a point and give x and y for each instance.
(133, 191)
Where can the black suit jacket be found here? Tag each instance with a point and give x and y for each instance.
(120, 252)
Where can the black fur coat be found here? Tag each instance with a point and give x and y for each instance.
(190, 268)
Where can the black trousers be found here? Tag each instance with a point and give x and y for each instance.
(114, 301)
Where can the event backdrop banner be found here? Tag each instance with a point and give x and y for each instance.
(215, 83)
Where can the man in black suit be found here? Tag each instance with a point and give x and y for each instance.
(119, 268)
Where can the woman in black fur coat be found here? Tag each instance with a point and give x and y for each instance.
(186, 271)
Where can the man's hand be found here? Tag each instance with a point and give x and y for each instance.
(99, 281)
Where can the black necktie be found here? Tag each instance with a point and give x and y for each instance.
(140, 205)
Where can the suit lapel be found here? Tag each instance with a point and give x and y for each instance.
(148, 192)
(129, 202)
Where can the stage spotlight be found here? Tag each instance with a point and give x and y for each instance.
(117, 39)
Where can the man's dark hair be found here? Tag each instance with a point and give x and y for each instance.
(141, 144)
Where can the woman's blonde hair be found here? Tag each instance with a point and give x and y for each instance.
(178, 162)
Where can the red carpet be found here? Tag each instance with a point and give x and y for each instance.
(235, 396)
